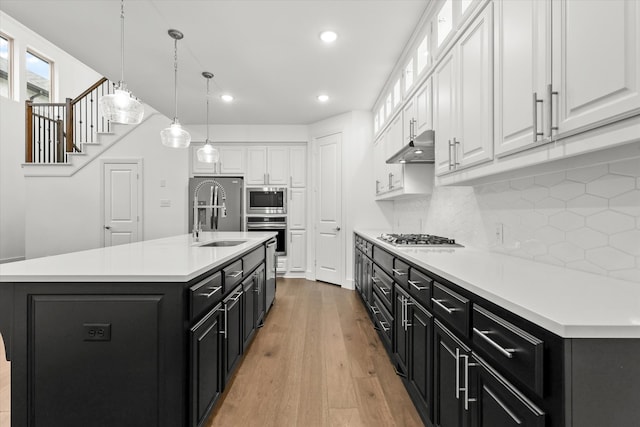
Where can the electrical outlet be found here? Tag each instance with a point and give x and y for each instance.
(499, 233)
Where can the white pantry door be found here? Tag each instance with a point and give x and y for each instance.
(328, 238)
(122, 202)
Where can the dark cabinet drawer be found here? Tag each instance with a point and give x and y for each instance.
(204, 295)
(384, 319)
(253, 259)
(384, 259)
(382, 285)
(451, 307)
(516, 351)
(420, 286)
(401, 273)
(232, 275)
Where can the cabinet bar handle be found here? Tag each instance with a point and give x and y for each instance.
(399, 272)
(237, 297)
(444, 307)
(224, 332)
(235, 274)
(375, 310)
(457, 373)
(382, 323)
(210, 294)
(466, 381)
(375, 280)
(450, 163)
(536, 134)
(385, 291)
(415, 285)
(455, 153)
(550, 94)
(506, 352)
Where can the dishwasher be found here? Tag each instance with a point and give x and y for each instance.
(271, 273)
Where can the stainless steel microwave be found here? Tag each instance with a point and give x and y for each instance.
(266, 200)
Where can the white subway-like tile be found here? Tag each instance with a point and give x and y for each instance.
(611, 185)
(610, 258)
(610, 222)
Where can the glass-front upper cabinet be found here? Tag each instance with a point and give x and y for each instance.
(444, 22)
(408, 75)
(422, 54)
(397, 94)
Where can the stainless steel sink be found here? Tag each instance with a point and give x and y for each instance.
(218, 243)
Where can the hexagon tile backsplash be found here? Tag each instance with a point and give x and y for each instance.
(586, 219)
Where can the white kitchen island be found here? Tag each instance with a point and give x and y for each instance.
(146, 333)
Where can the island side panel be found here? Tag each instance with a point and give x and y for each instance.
(6, 316)
(62, 342)
(605, 390)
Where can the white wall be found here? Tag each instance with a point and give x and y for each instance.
(70, 78)
(359, 209)
(585, 219)
(250, 133)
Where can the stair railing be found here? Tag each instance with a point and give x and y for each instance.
(52, 130)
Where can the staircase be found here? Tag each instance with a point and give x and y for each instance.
(62, 138)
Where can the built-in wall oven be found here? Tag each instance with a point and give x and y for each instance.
(266, 200)
(271, 223)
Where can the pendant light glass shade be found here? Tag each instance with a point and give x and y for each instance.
(121, 106)
(208, 153)
(175, 136)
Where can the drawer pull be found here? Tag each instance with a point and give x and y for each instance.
(415, 285)
(235, 274)
(444, 307)
(382, 323)
(210, 294)
(375, 280)
(375, 310)
(399, 272)
(385, 291)
(507, 352)
(237, 297)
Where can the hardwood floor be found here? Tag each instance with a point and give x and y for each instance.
(316, 362)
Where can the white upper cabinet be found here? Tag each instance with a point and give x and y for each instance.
(297, 208)
(423, 109)
(267, 166)
(522, 69)
(256, 166)
(444, 105)
(596, 61)
(298, 167)
(409, 113)
(474, 130)
(380, 168)
(394, 144)
(232, 160)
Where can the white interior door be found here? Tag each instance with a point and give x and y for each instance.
(328, 238)
(122, 203)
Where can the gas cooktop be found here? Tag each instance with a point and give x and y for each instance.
(420, 240)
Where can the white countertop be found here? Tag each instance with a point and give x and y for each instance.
(569, 303)
(172, 259)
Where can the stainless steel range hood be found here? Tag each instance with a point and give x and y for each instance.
(420, 150)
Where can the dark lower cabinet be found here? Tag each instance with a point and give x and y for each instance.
(261, 288)
(420, 374)
(498, 403)
(232, 332)
(206, 339)
(450, 394)
(400, 329)
(249, 310)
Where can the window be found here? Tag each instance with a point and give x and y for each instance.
(5, 66)
(38, 78)
(423, 54)
(445, 21)
(408, 76)
(388, 106)
(397, 97)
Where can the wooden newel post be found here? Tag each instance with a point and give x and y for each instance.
(28, 132)
(69, 120)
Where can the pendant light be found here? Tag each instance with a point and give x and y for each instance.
(174, 136)
(208, 153)
(121, 106)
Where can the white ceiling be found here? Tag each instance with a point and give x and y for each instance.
(266, 53)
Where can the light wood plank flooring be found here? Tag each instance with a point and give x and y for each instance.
(316, 362)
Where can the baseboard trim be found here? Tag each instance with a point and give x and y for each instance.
(14, 259)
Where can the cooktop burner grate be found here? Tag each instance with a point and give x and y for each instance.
(417, 240)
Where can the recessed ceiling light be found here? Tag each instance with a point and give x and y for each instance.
(323, 98)
(418, 151)
(328, 36)
(226, 98)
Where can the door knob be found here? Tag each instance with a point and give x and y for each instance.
(106, 227)
(337, 229)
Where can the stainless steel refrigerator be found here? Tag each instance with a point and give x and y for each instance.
(218, 202)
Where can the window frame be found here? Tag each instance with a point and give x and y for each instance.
(10, 71)
(44, 58)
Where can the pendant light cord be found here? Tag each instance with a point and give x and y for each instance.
(121, 44)
(207, 141)
(175, 79)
